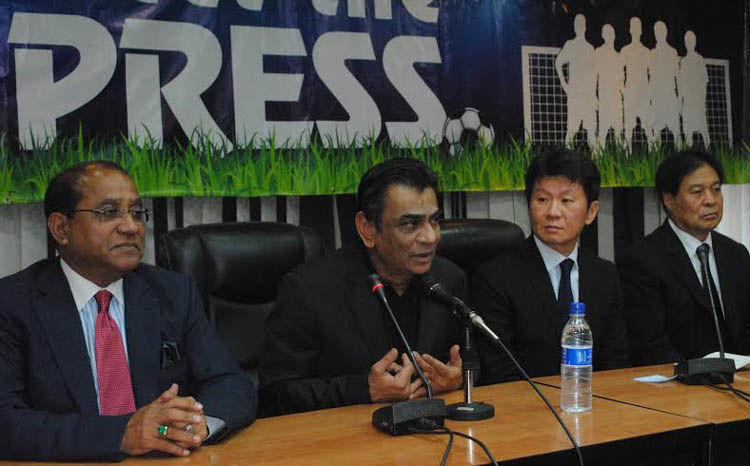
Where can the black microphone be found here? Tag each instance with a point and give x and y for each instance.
(399, 418)
(468, 410)
(707, 370)
(378, 290)
(460, 309)
(466, 314)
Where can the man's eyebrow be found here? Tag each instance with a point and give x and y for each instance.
(411, 217)
(114, 202)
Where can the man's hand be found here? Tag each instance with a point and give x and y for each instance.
(442, 377)
(200, 428)
(141, 434)
(390, 381)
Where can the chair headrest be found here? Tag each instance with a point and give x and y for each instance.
(469, 242)
(243, 262)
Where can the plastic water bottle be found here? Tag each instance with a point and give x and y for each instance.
(577, 352)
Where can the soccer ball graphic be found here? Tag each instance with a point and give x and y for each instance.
(468, 125)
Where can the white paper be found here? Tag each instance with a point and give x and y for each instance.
(739, 360)
(654, 378)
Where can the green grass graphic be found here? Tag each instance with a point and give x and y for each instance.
(199, 169)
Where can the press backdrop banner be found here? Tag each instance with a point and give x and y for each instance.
(475, 87)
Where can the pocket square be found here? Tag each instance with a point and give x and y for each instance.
(170, 353)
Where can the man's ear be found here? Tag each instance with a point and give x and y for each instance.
(668, 200)
(591, 214)
(365, 229)
(58, 224)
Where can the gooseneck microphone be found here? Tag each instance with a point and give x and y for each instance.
(460, 309)
(469, 410)
(466, 314)
(400, 418)
(702, 371)
(378, 290)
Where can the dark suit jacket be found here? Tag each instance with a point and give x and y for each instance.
(514, 295)
(668, 315)
(48, 407)
(327, 329)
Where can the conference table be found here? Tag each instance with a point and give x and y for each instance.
(728, 414)
(630, 423)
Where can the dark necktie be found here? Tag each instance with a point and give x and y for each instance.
(112, 372)
(707, 278)
(565, 291)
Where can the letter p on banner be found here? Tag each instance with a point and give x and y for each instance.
(39, 98)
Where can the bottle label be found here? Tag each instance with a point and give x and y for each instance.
(577, 355)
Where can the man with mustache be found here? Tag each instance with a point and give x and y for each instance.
(102, 356)
(668, 289)
(525, 295)
(331, 342)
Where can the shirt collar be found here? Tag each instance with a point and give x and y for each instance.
(83, 289)
(553, 258)
(689, 242)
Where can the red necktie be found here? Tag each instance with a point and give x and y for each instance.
(112, 372)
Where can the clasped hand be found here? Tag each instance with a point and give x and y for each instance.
(175, 412)
(390, 381)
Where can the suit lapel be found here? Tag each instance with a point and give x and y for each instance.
(589, 289)
(62, 325)
(142, 319)
(365, 307)
(543, 292)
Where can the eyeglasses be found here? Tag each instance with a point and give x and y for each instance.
(138, 214)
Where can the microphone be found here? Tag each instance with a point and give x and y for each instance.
(399, 418)
(468, 410)
(378, 290)
(458, 308)
(707, 370)
(465, 313)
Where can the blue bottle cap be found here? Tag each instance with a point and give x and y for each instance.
(577, 308)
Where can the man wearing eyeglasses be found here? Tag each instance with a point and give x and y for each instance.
(102, 356)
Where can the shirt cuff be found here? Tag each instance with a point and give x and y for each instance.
(214, 426)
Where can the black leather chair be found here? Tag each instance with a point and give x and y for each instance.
(238, 267)
(469, 242)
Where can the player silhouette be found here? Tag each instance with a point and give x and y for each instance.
(691, 83)
(664, 64)
(610, 84)
(580, 86)
(636, 103)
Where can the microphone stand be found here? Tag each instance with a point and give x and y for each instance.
(401, 417)
(700, 371)
(469, 410)
(467, 315)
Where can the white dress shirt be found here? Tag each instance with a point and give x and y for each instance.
(691, 243)
(552, 260)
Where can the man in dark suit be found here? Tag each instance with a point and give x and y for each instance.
(331, 342)
(668, 306)
(102, 356)
(525, 295)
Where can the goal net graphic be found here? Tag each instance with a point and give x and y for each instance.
(545, 103)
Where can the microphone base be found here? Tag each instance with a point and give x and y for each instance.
(705, 371)
(475, 411)
(398, 418)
